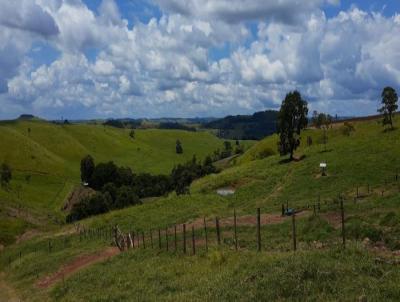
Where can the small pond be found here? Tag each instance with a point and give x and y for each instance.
(225, 191)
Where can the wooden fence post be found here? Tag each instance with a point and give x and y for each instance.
(294, 232)
(343, 228)
(283, 210)
(130, 240)
(235, 229)
(205, 233)
(184, 238)
(193, 242)
(218, 231)
(133, 239)
(166, 237)
(258, 230)
(159, 239)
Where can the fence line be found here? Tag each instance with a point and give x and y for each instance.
(107, 233)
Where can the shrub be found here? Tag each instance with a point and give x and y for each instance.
(5, 174)
(347, 128)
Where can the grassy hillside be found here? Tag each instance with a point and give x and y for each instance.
(45, 159)
(320, 270)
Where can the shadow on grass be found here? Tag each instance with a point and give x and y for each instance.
(326, 151)
(295, 159)
(388, 130)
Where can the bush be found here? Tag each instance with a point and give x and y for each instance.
(5, 175)
(93, 205)
(347, 128)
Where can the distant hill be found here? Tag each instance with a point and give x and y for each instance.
(252, 127)
(45, 162)
(27, 117)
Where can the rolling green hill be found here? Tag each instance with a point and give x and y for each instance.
(45, 160)
(320, 270)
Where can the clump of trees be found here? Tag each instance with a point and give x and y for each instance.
(5, 175)
(175, 126)
(118, 187)
(132, 134)
(321, 120)
(178, 147)
(183, 175)
(389, 106)
(292, 118)
(228, 150)
(123, 123)
(87, 168)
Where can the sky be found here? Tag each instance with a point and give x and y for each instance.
(84, 59)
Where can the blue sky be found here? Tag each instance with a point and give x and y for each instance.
(187, 58)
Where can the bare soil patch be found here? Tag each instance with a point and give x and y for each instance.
(7, 293)
(76, 196)
(76, 265)
(29, 234)
(333, 218)
(246, 220)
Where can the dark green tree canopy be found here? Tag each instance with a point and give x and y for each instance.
(178, 147)
(87, 168)
(389, 105)
(292, 118)
(5, 174)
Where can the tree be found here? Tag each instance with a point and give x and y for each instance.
(126, 197)
(102, 174)
(5, 175)
(87, 168)
(178, 147)
(389, 105)
(292, 118)
(111, 189)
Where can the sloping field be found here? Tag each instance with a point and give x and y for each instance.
(45, 160)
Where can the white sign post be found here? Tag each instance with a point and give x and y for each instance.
(323, 168)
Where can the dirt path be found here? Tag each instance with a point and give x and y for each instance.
(76, 265)
(333, 218)
(7, 293)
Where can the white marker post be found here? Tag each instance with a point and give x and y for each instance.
(323, 168)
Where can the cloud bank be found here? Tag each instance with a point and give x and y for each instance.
(199, 58)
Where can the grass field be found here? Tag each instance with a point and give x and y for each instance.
(319, 271)
(45, 160)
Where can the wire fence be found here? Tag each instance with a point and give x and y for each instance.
(236, 232)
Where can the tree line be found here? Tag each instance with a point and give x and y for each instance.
(118, 187)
